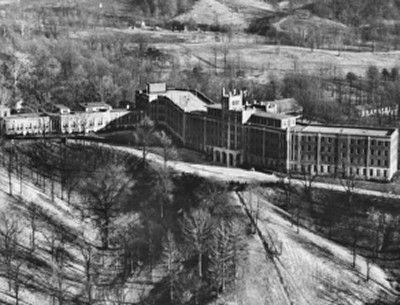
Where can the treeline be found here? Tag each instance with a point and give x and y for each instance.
(147, 219)
(357, 12)
(334, 99)
(161, 8)
(106, 68)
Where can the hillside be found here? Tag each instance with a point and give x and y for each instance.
(313, 269)
(236, 13)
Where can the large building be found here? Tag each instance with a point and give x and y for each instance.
(235, 132)
(90, 117)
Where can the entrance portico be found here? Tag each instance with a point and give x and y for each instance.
(230, 158)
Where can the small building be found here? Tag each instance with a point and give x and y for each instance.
(62, 109)
(288, 106)
(365, 111)
(95, 107)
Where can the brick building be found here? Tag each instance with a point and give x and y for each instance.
(368, 153)
(234, 132)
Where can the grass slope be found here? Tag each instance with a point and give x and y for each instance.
(236, 13)
(314, 269)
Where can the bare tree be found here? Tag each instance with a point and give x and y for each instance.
(143, 134)
(225, 250)
(197, 228)
(9, 231)
(106, 190)
(378, 224)
(352, 219)
(10, 152)
(169, 152)
(308, 180)
(34, 217)
(172, 261)
(87, 255)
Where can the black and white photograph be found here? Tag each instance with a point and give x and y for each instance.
(199, 152)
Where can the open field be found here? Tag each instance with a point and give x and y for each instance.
(249, 54)
(259, 61)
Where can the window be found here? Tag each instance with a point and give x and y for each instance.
(371, 172)
(322, 169)
(379, 162)
(373, 142)
(364, 172)
(378, 172)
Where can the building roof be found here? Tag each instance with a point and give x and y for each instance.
(214, 106)
(345, 130)
(95, 104)
(186, 100)
(276, 116)
(26, 115)
(61, 107)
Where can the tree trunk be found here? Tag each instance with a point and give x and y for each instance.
(144, 155)
(104, 233)
(354, 255)
(10, 181)
(200, 264)
(52, 190)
